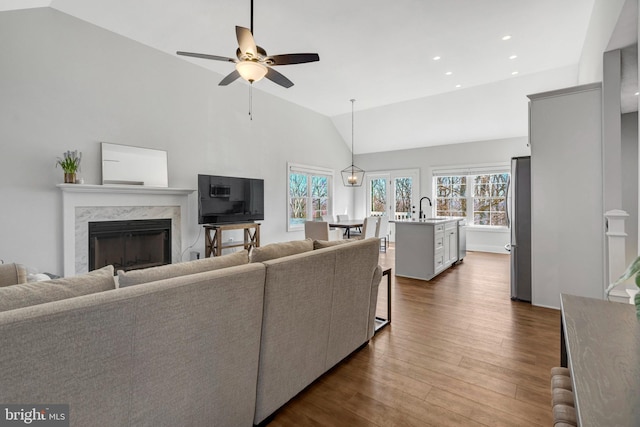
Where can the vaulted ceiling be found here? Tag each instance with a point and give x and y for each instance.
(379, 52)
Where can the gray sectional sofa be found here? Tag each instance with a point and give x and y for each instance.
(217, 342)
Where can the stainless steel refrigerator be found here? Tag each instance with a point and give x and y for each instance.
(519, 221)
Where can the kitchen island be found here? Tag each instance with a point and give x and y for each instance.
(426, 247)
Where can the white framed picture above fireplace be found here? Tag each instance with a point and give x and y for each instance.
(129, 165)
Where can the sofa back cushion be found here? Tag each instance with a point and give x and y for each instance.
(12, 274)
(321, 244)
(28, 294)
(146, 275)
(279, 250)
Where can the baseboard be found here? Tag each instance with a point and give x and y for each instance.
(487, 248)
(619, 295)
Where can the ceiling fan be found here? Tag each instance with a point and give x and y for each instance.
(253, 63)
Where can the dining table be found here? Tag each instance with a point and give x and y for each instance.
(348, 225)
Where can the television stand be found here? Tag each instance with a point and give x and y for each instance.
(214, 244)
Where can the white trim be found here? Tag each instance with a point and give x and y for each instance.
(488, 228)
(122, 189)
(487, 248)
(475, 169)
(297, 167)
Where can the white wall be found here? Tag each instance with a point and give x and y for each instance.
(604, 18)
(630, 182)
(66, 84)
(428, 158)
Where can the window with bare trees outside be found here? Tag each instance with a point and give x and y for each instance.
(378, 195)
(403, 188)
(481, 198)
(309, 195)
(490, 199)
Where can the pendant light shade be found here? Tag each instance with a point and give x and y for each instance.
(352, 176)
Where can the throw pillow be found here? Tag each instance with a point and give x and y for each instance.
(279, 250)
(34, 293)
(146, 275)
(12, 274)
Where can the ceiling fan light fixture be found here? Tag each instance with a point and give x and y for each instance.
(251, 71)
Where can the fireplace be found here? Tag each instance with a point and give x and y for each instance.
(129, 244)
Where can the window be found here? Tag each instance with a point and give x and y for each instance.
(309, 194)
(451, 196)
(480, 197)
(490, 199)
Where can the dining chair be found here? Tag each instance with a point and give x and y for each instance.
(319, 230)
(328, 218)
(383, 232)
(370, 226)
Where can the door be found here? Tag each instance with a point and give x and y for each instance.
(519, 216)
(393, 193)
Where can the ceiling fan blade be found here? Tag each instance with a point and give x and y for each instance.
(245, 41)
(205, 56)
(278, 78)
(230, 78)
(293, 58)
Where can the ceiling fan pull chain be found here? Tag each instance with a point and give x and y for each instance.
(250, 101)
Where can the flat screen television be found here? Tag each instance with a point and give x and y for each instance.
(226, 199)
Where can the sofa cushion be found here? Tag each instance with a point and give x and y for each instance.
(146, 275)
(34, 293)
(321, 244)
(12, 274)
(279, 250)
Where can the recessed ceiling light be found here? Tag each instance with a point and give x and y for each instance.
(507, 37)
(514, 73)
(513, 56)
(436, 58)
(458, 85)
(637, 93)
(448, 73)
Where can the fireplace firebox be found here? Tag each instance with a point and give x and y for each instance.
(129, 245)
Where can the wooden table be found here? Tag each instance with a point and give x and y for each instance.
(213, 245)
(381, 322)
(602, 343)
(348, 224)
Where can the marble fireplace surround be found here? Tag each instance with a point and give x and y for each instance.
(82, 204)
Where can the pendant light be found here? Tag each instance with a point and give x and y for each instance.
(352, 176)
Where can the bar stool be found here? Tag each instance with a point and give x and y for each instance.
(562, 400)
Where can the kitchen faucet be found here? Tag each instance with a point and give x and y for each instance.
(421, 215)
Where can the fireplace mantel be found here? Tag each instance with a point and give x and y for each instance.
(82, 203)
(122, 189)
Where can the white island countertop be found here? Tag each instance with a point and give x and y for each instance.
(428, 221)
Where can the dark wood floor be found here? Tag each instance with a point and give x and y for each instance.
(458, 352)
